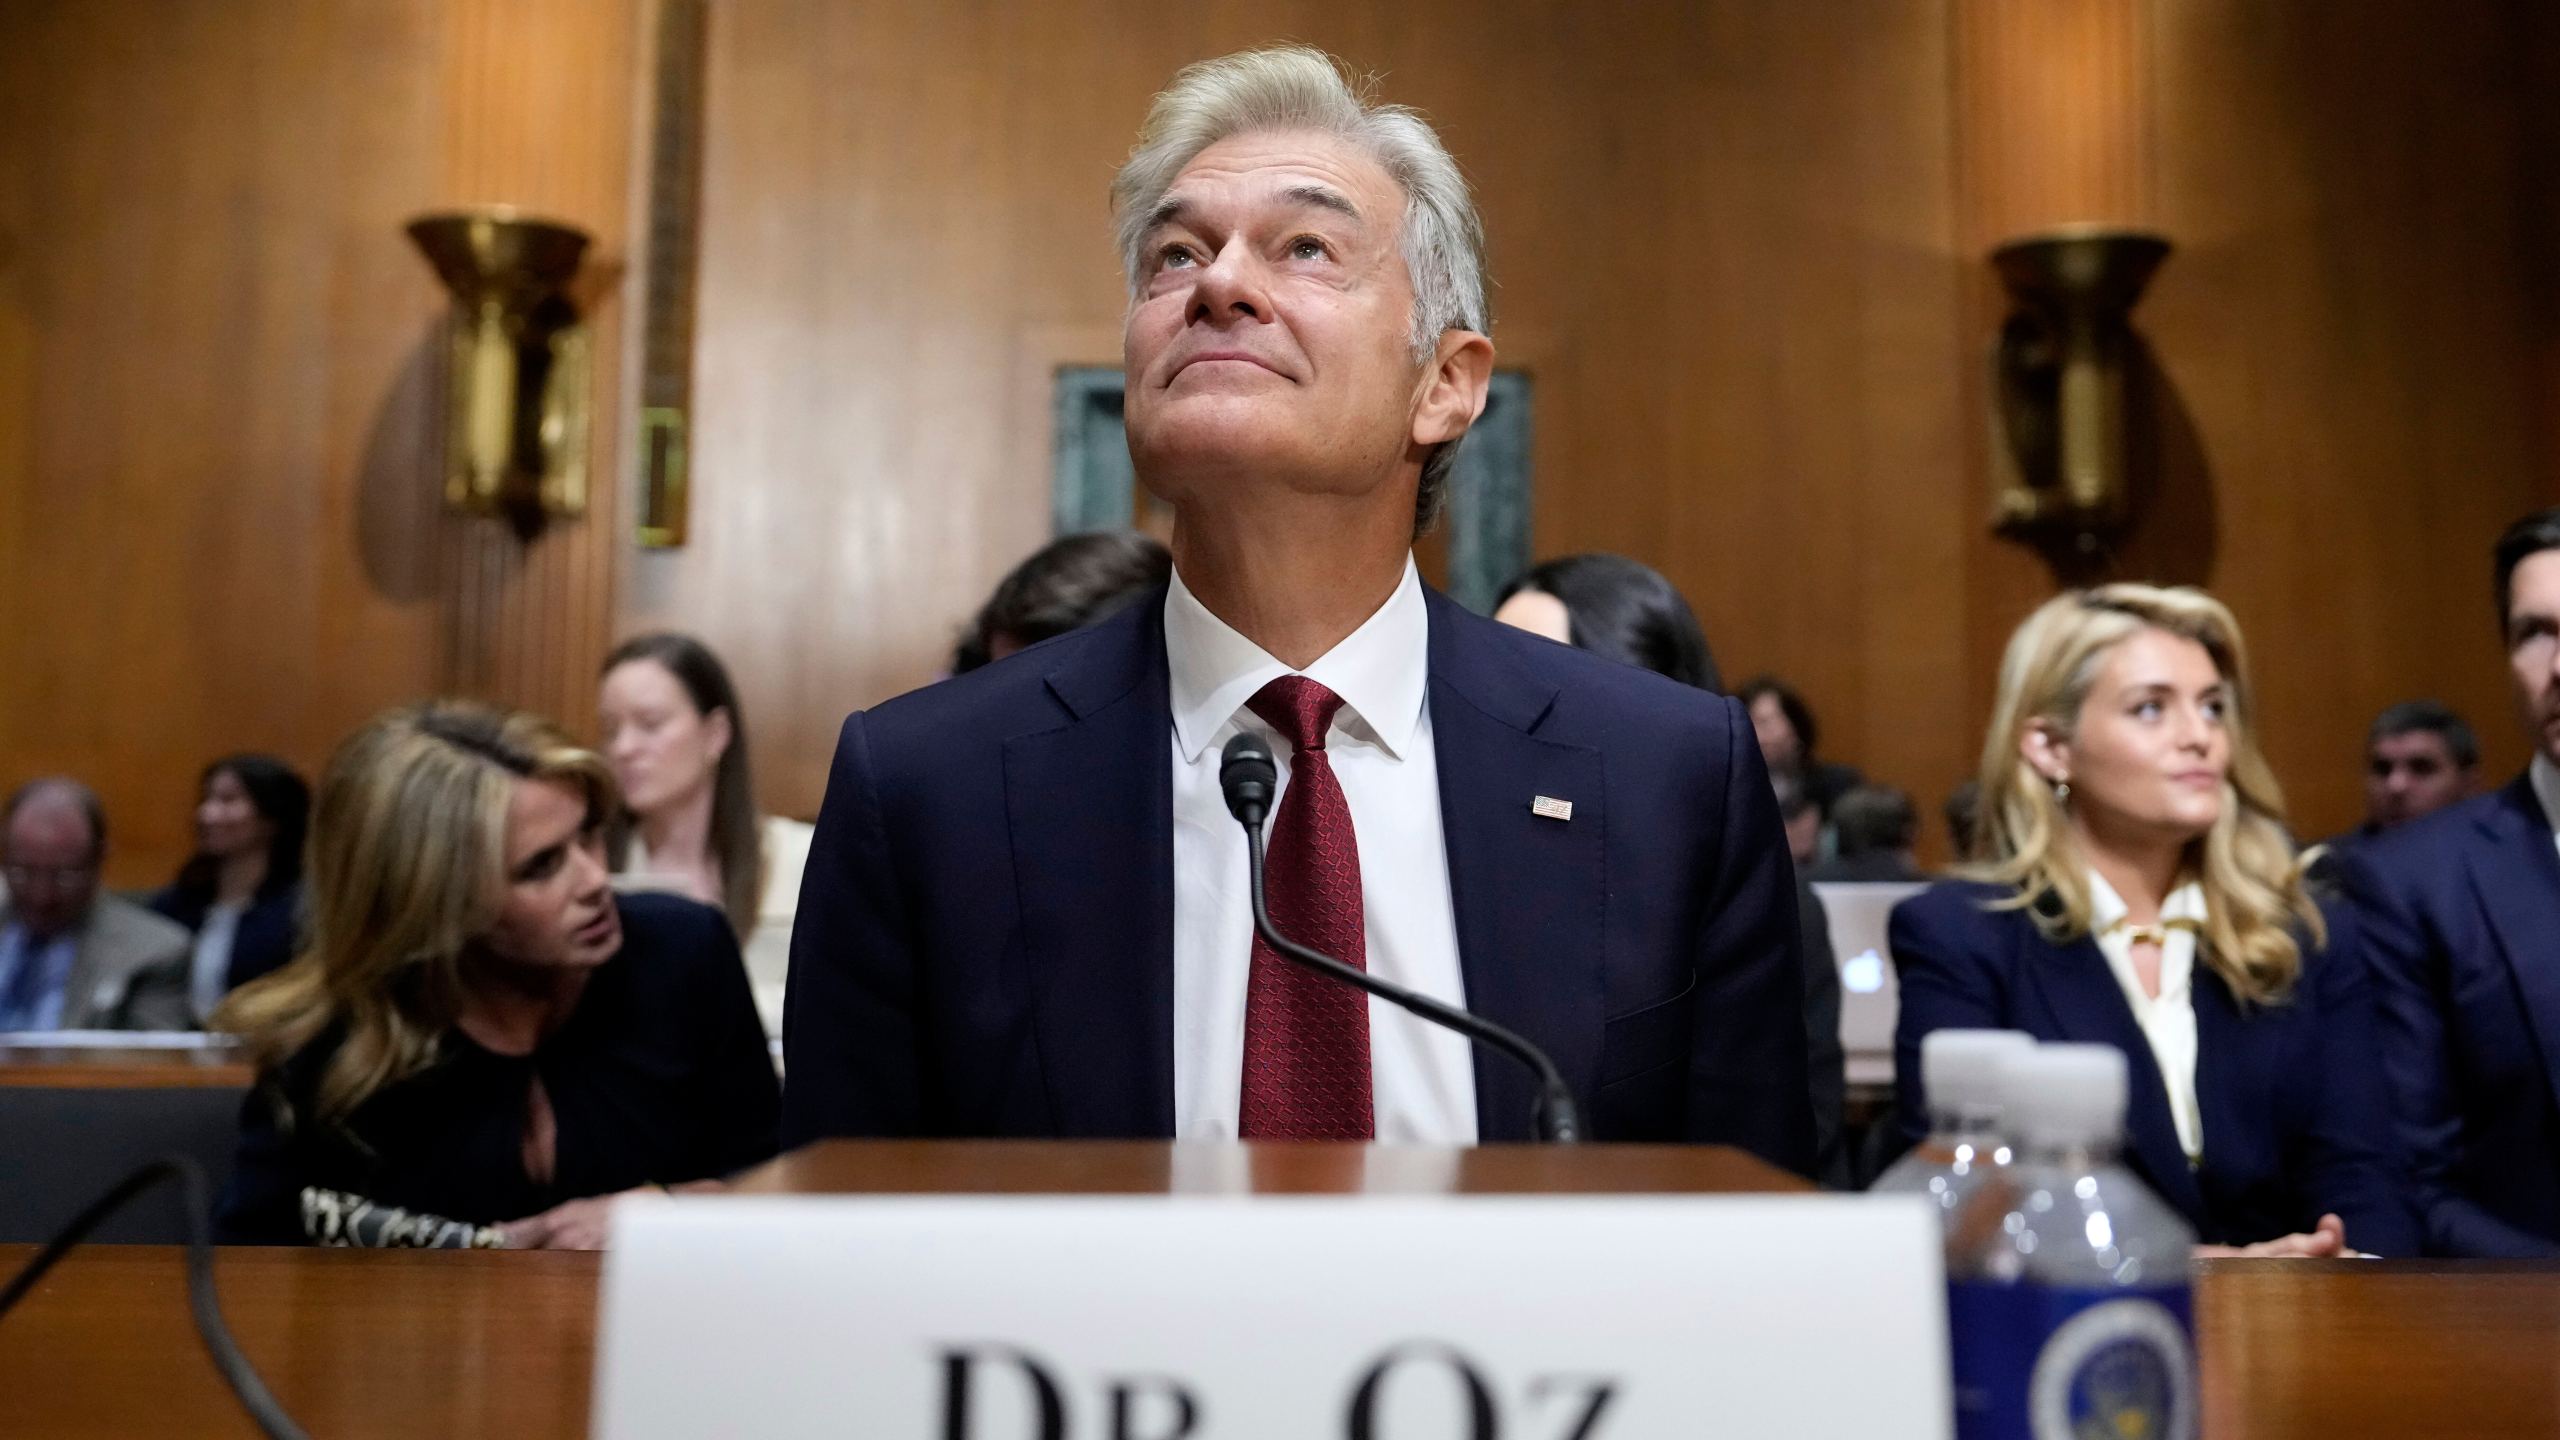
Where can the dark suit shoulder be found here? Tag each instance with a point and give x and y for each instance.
(1957, 904)
(670, 935)
(2423, 845)
(1023, 691)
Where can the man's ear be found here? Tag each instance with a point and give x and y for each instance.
(1453, 389)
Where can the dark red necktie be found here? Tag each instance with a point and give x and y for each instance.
(1306, 1036)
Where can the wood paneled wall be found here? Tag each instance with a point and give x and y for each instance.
(1738, 243)
(1720, 238)
(220, 376)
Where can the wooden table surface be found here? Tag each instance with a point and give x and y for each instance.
(401, 1344)
(118, 1069)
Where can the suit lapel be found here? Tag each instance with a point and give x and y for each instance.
(1090, 807)
(2516, 872)
(1527, 890)
(90, 973)
(2089, 1006)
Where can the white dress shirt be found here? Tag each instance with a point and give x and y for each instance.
(1422, 1077)
(2546, 788)
(2168, 1021)
(209, 972)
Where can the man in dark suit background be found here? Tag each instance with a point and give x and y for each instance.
(1025, 913)
(2463, 923)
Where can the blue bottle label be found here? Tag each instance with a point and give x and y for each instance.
(2036, 1362)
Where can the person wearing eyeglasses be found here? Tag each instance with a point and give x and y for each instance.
(71, 959)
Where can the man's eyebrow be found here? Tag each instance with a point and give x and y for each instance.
(1323, 197)
(1173, 208)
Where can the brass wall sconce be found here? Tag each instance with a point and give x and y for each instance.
(517, 443)
(2059, 381)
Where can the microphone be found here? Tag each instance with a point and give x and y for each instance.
(1248, 776)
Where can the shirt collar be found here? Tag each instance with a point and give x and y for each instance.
(2107, 908)
(2546, 788)
(1380, 670)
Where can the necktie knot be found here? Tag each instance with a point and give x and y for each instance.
(1299, 709)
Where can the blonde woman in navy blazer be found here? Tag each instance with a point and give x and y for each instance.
(2134, 885)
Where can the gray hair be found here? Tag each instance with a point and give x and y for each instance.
(1297, 88)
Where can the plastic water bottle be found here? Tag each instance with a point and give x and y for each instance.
(1960, 1070)
(2069, 1306)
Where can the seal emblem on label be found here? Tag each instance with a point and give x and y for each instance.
(2119, 1370)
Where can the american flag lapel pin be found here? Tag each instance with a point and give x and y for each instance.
(1548, 807)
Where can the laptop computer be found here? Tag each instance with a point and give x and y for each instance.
(1858, 915)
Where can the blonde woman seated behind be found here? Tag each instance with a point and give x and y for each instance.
(481, 1044)
(2134, 886)
(678, 743)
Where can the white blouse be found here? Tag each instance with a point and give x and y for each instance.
(768, 947)
(209, 971)
(2168, 1020)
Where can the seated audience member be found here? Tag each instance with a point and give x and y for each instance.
(1613, 606)
(480, 1044)
(2419, 758)
(240, 891)
(1785, 728)
(2136, 888)
(677, 740)
(70, 958)
(1801, 816)
(1962, 812)
(1876, 827)
(1067, 584)
(1617, 607)
(2462, 918)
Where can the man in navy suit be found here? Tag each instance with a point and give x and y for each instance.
(1026, 913)
(2463, 924)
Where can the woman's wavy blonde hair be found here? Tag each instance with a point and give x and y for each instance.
(406, 868)
(2255, 897)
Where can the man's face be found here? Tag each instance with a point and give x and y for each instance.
(1270, 333)
(2410, 775)
(50, 858)
(2533, 648)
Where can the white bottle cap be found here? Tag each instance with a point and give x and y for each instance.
(1960, 1069)
(2064, 1095)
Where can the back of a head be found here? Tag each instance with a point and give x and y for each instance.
(1872, 819)
(1294, 87)
(1066, 585)
(1626, 611)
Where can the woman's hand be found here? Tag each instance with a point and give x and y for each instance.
(570, 1225)
(584, 1224)
(2326, 1241)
